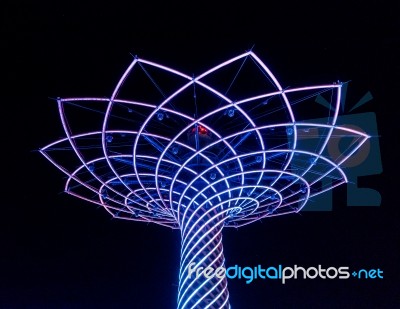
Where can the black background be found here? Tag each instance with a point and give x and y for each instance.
(60, 252)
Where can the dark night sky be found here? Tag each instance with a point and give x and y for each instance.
(60, 252)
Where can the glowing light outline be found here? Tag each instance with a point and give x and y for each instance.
(189, 241)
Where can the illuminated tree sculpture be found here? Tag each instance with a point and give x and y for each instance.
(198, 153)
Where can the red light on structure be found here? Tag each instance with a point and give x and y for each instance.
(201, 130)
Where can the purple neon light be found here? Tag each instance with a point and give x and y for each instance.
(153, 170)
(172, 208)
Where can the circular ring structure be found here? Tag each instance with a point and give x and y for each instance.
(224, 148)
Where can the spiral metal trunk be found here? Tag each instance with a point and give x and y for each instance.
(202, 280)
